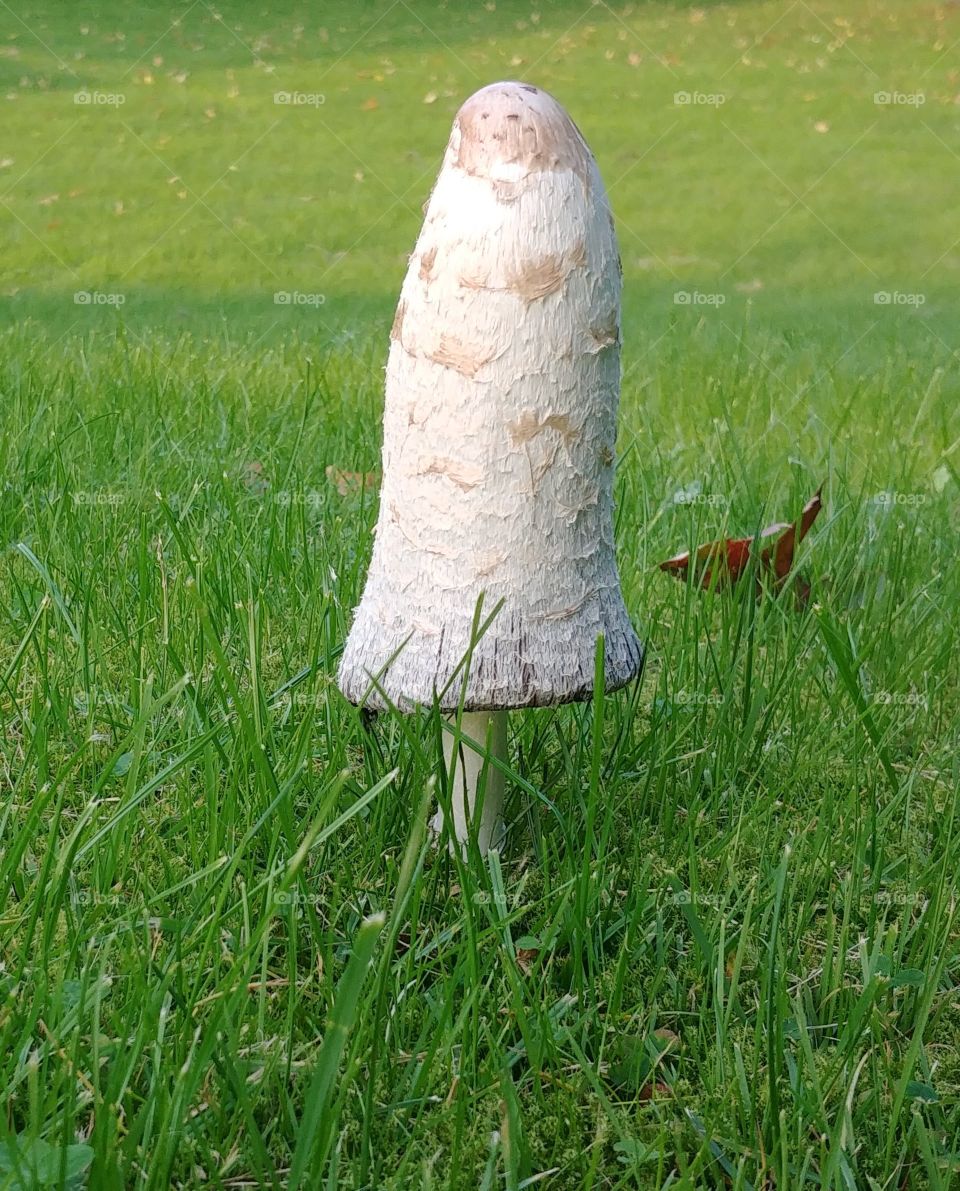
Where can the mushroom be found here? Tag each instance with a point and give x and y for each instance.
(502, 389)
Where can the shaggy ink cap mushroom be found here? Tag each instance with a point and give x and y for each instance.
(502, 389)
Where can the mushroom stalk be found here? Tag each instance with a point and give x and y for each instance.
(468, 756)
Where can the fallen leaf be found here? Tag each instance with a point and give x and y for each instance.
(786, 544)
(430, 97)
(634, 1063)
(821, 126)
(369, 105)
(721, 563)
(525, 958)
(668, 1038)
(255, 478)
(351, 481)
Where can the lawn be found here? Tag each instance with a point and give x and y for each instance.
(720, 946)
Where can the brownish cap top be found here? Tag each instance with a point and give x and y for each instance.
(508, 130)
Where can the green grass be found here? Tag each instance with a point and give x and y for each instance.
(720, 946)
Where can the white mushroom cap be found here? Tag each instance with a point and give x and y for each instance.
(499, 429)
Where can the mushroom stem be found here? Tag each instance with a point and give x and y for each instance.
(467, 754)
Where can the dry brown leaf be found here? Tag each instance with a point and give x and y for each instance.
(254, 477)
(525, 958)
(351, 481)
(722, 563)
(670, 1040)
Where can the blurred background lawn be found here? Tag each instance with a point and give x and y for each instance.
(146, 151)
